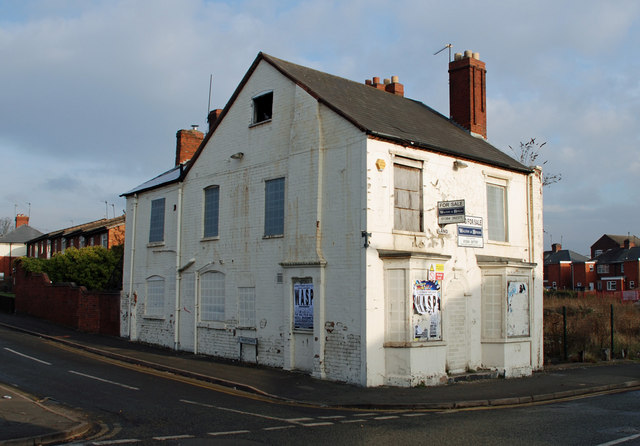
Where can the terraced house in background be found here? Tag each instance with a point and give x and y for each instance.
(341, 229)
(106, 232)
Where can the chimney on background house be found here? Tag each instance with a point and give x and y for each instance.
(467, 92)
(21, 220)
(214, 115)
(187, 144)
(389, 85)
(556, 247)
(628, 244)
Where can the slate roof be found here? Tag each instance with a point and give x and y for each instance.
(21, 234)
(619, 255)
(167, 177)
(377, 113)
(393, 117)
(564, 255)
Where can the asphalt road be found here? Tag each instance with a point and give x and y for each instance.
(132, 405)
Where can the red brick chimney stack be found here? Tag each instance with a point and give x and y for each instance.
(214, 115)
(187, 144)
(467, 92)
(21, 219)
(390, 85)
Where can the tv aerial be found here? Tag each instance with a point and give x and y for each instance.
(448, 45)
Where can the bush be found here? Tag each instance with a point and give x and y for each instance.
(94, 267)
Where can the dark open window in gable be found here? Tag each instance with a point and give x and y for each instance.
(262, 107)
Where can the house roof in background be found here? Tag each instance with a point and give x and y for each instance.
(564, 255)
(619, 255)
(86, 228)
(620, 239)
(21, 234)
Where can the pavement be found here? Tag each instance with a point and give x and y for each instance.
(25, 420)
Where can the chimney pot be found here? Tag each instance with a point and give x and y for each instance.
(367, 82)
(556, 247)
(376, 80)
(457, 56)
(394, 79)
(468, 54)
(387, 81)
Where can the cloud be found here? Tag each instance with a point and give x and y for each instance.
(95, 91)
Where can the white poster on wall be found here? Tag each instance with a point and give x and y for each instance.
(517, 309)
(303, 306)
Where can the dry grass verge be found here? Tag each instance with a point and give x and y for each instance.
(589, 327)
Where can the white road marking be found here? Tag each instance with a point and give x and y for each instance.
(125, 441)
(332, 417)
(389, 417)
(195, 403)
(354, 421)
(322, 423)
(172, 437)
(414, 414)
(27, 356)
(277, 428)
(252, 414)
(296, 420)
(103, 380)
(214, 434)
(620, 440)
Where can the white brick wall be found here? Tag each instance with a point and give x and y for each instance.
(333, 191)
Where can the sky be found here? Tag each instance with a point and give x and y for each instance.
(93, 92)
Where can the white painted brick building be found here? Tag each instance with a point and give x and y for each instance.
(306, 233)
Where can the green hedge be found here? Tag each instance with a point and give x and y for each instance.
(94, 267)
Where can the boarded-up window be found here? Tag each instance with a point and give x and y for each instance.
(492, 299)
(212, 296)
(497, 212)
(396, 303)
(246, 307)
(154, 305)
(407, 198)
(156, 225)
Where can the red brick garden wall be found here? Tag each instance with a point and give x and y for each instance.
(67, 304)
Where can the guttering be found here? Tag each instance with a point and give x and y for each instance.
(421, 145)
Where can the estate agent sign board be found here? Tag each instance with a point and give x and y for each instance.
(451, 211)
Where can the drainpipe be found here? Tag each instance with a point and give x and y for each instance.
(131, 262)
(176, 338)
(196, 313)
(321, 291)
